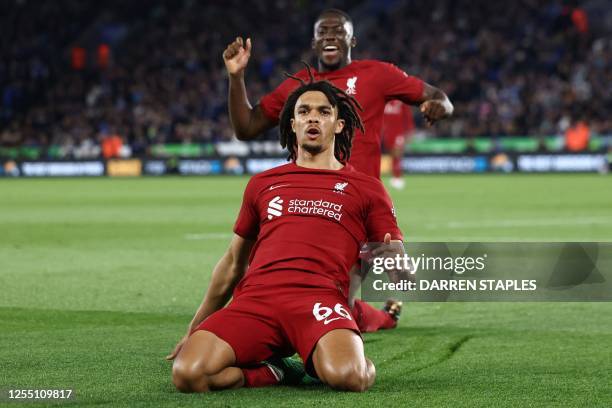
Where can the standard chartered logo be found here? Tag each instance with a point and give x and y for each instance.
(304, 207)
(316, 207)
(275, 207)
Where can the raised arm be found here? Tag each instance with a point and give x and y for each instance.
(226, 274)
(248, 122)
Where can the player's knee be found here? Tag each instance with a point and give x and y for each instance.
(352, 379)
(357, 382)
(188, 378)
(349, 377)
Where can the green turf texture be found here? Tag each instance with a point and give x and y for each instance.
(100, 278)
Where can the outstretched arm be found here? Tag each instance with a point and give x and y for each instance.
(435, 104)
(247, 121)
(226, 274)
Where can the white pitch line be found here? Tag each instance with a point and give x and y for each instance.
(208, 235)
(521, 223)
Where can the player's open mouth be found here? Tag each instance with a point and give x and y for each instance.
(313, 133)
(330, 50)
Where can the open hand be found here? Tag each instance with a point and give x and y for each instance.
(391, 249)
(177, 348)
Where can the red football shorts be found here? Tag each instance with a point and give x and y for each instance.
(259, 322)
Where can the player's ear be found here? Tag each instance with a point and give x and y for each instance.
(293, 125)
(339, 126)
(353, 42)
(313, 43)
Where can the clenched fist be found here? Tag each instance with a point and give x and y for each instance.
(434, 110)
(236, 56)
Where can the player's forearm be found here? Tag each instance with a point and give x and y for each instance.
(431, 93)
(224, 279)
(240, 109)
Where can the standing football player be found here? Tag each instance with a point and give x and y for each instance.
(398, 125)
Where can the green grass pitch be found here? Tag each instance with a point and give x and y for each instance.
(100, 278)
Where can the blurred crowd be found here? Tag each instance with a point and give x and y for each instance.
(511, 68)
(74, 73)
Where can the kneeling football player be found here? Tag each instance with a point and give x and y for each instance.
(298, 233)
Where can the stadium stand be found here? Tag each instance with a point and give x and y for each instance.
(75, 73)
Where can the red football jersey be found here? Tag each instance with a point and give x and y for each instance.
(373, 83)
(309, 224)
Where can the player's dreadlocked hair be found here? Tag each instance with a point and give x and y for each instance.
(346, 105)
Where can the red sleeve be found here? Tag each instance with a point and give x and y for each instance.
(247, 224)
(380, 217)
(400, 85)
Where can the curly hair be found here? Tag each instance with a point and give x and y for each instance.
(346, 105)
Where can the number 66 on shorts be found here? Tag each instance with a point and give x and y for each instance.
(325, 313)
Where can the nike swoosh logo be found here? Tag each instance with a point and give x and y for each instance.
(278, 186)
(327, 321)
